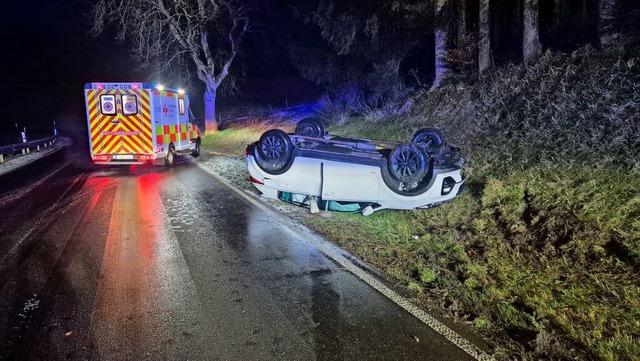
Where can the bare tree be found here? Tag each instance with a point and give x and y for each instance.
(171, 33)
(531, 37)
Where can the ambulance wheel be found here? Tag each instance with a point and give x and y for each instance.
(170, 159)
(196, 151)
(274, 152)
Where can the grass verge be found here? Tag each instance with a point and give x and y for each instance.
(542, 252)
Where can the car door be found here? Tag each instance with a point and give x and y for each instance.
(350, 182)
(303, 177)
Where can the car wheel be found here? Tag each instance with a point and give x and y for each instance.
(408, 163)
(411, 188)
(310, 128)
(196, 151)
(274, 152)
(428, 138)
(169, 160)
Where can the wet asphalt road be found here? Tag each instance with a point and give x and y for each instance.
(148, 263)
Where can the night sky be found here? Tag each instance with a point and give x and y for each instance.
(47, 55)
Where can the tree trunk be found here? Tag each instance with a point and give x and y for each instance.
(462, 19)
(606, 22)
(484, 37)
(530, 34)
(442, 67)
(210, 121)
(442, 28)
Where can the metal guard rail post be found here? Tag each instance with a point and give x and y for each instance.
(26, 147)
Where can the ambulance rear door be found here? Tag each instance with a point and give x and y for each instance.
(101, 109)
(136, 120)
(118, 121)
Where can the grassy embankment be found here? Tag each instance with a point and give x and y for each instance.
(542, 251)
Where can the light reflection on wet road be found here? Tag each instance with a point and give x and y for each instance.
(152, 263)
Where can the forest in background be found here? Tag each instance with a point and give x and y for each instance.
(376, 54)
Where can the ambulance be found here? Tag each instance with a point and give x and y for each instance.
(136, 123)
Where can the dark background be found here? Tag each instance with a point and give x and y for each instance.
(47, 55)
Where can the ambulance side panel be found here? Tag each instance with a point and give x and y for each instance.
(162, 136)
(171, 126)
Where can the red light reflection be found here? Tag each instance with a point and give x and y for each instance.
(150, 205)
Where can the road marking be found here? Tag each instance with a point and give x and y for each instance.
(331, 251)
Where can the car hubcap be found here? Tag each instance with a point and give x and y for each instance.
(272, 148)
(406, 163)
(308, 130)
(426, 141)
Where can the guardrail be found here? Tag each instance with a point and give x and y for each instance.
(26, 147)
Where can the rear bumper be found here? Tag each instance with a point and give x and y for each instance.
(123, 158)
(119, 162)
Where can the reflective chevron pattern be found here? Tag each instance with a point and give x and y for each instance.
(119, 133)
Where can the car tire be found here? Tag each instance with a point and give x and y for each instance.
(428, 138)
(170, 159)
(274, 152)
(408, 163)
(310, 127)
(196, 151)
(408, 189)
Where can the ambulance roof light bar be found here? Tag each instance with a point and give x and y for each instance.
(117, 86)
(131, 86)
(161, 87)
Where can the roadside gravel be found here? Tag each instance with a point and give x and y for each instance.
(234, 169)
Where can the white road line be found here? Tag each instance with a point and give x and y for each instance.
(330, 250)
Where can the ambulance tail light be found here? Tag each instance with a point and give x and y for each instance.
(101, 158)
(147, 157)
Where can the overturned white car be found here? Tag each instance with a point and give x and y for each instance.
(329, 172)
